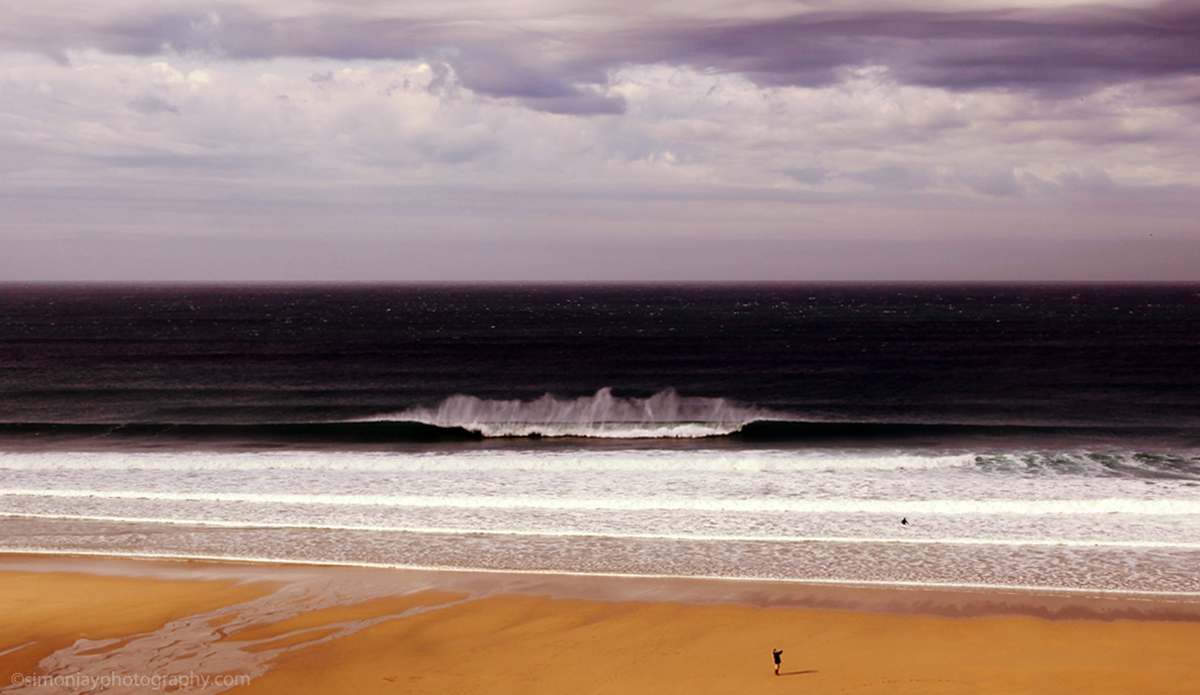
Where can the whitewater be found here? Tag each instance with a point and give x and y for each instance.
(664, 415)
(1101, 521)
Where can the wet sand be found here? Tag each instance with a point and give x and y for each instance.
(287, 629)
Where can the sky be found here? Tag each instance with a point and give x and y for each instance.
(599, 140)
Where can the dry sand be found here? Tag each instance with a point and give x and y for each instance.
(338, 630)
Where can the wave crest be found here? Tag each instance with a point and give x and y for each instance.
(664, 415)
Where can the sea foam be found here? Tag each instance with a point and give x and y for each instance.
(664, 415)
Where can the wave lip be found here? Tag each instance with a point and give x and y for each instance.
(664, 415)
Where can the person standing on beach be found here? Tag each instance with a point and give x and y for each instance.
(775, 653)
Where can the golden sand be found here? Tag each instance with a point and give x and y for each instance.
(525, 644)
(429, 640)
(42, 612)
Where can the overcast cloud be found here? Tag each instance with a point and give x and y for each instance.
(559, 140)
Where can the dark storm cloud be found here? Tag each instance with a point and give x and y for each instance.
(1053, 51)
(1024, 49)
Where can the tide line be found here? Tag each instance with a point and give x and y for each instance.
(1015, 588)
(567, 533)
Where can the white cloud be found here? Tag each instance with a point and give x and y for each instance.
(314, 122)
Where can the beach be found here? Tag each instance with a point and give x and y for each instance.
(273, 628)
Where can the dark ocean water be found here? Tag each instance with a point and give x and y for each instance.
(1035, 436)
(985, 356)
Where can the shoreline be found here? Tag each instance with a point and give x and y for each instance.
(951, 601)
(275, 628)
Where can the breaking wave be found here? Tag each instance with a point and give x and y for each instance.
(664, 415)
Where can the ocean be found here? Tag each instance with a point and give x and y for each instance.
(1005, 436)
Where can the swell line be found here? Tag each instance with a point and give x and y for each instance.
(426, 426)
(660, 503)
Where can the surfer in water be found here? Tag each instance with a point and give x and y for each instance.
(776, 653)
